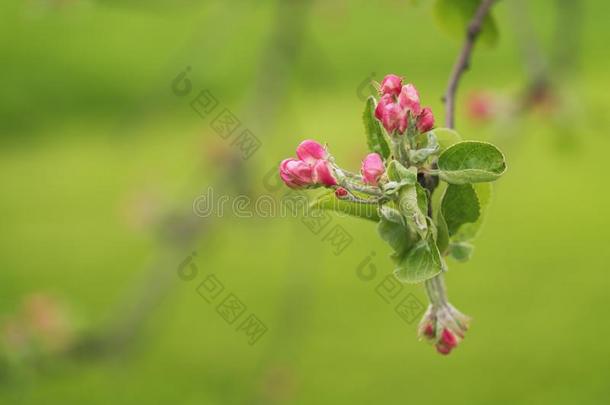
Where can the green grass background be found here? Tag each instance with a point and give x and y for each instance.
(87, 120)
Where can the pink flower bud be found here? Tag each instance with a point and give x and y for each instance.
(393, 117)
(391, 85)
(384, 101)
(443, 349)
(425, 121)
(311, 151)
(296, 173)
(341, 192)
(409, 99)
(322, 174)
(429, 331)
(448, 339)
(372, 168)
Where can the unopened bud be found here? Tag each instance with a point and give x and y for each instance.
(296, 173)
(372, 168)
(391, 85)
(311, 151)
(322, 174)
(341, 193)
(425, 121)
(409, 99)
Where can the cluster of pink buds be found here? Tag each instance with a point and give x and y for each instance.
(315, 167)
(311, 169)
(444, 326)
(399, 106)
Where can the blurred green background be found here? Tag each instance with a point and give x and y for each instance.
(100, 163)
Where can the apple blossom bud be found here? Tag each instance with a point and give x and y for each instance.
(392, 117)
(341, 192)
(443, 349)
(409, 99)
(391, 85)
(311, 151)
(372, 168)
(296, 173)
(447, 342)
(448, 339)
(322, 174)
(425, 121)
(381, 105)
(429, 331)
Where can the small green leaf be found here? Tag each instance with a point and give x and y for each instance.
(420, 263)
(461, 251)
(471, 162)
(391, 214)
(413, 202)
(427, 146)
(398, 236)
(469, 231)
(375, 136)
(442, 233)
(331, 202)
(453, 16)
(446, 137)
(460, 205)
(462, 208)
(398, 173)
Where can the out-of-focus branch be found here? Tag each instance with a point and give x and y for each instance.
(463, 61)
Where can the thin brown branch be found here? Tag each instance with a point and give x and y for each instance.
(463, 60)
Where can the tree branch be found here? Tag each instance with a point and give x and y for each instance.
(463, 60)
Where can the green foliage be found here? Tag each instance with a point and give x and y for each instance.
(396, 234)
(461, 251)
(471, 162)
(446, 137)
(421, 262)
(460, 205)
(399, 176)
(462, 210)
(470, 230)
(330, 202)
(413, 202)
(375, 135)
(442, 233)
(453, 16)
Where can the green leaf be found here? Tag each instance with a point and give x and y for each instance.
(471, 162)
(397, 235)
(469, 231)
(446, 137)
(412, 203)
(461, 251)
(374, 132)
(420, 263)
(442, 233)
(398, 173)
(453, 16)
(460, 205)
(331, 202)
(391, 214)
(462, 209)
